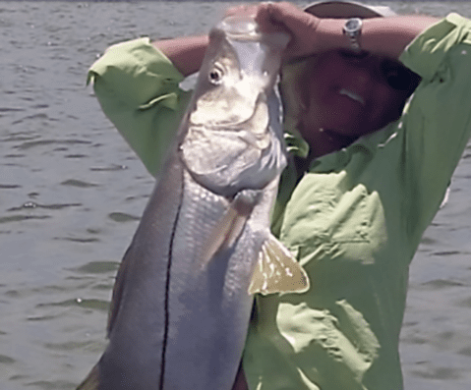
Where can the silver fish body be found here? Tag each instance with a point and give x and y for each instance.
(182, 300)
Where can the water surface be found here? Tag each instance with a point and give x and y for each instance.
(72, 192)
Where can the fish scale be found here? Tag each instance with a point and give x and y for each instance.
(200, 214)
(196, 299)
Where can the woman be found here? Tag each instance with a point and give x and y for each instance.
(367, 174)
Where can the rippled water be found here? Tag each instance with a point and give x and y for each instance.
(71, 193)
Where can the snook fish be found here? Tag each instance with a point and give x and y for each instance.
(184, 291)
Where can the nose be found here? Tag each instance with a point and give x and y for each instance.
(370, 67)
(364, 72)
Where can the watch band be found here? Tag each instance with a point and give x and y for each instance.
(352, 30)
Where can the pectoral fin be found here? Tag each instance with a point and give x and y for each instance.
(277, 271)
(231, 224)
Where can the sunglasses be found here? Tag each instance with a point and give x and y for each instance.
(396, 75)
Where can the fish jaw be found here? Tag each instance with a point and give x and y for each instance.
(227, 162)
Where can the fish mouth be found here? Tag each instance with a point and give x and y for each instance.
(245, 28)
(240, 26)
(258, 53)
(352, 95)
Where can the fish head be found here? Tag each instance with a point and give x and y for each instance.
(232, 139)
(240, 67)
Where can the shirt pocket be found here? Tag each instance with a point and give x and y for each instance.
(320, 213)
(349, 220)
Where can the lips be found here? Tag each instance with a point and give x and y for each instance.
(352, 95)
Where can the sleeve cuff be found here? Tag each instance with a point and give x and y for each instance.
(425, 53)
(137, 71)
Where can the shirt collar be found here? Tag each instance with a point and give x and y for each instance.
(369, 143)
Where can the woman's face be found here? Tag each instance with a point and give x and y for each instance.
(346, 95)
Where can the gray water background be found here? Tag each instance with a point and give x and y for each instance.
(72, 192)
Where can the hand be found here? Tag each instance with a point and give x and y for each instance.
(287, 17)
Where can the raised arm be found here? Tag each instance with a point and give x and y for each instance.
(186, 53)
(310, 35)
(385, 36)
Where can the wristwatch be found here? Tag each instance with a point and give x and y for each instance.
(352, 30)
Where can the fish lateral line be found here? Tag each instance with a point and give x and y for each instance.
(167, 290)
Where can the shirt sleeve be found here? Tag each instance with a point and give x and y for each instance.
(138, 89)
(437, 122)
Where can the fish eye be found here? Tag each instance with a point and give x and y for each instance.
(215, 76)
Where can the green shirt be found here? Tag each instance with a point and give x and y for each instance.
(354, 220)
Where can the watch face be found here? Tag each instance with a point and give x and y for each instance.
(353, 25)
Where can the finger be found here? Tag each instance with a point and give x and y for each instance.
(299, 24)
(294, 18)
(265, 20)
(243, 9)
